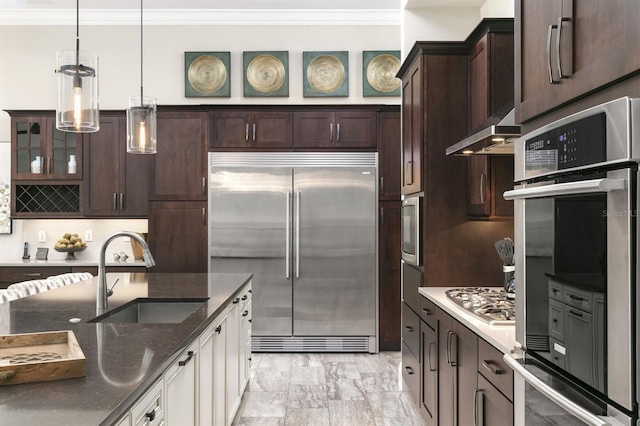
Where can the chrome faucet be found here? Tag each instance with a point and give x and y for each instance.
(149, 261)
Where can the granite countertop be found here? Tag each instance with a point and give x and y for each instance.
(122, 360)
(502, 337)
(69, 263)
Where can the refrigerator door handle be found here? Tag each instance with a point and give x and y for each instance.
(288, 236)
(298, 233)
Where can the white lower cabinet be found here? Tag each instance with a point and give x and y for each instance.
(181, 388)
(204, 386)
(212, 397)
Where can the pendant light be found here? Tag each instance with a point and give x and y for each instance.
(77, 88)
(141, 116)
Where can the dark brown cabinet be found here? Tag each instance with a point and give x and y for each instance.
(116, 183)
(488, 178)
(178, 236)
(389, 274)
(494, 394)
(335, 129)
(15, 274)
(36, 136)
(181, 160)
(411, 171)
(389, 157)
(457, 369)
(490, 72)
(246, 129)
(566, 49)
(429, 363)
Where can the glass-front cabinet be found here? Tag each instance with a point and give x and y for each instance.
(42, 152)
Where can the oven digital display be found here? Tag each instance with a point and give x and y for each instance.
(580, 143)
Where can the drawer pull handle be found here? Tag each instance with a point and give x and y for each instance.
(409, 329)
(429, 357)
(572, 312)
(409, 370)
(186, 361)
(236, 300)
(218, 329)
(151, 415)
(427, 311)
(578, 298)
(489, 365)
(244, 297)
(245, 313)
(33, 274)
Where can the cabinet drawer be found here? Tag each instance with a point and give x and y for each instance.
(556, 320)
(555, 291)
(411, 372)
(493, 368)
(150, 409)
(495, 408)
(428, 311)
(411, 280)
(411, 329)
(25, 273)
(578, 298)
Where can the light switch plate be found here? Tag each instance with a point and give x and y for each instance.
(42, 236)
(88, 235)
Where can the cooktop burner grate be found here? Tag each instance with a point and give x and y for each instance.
(491, 305)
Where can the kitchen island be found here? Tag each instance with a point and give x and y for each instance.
(123, 360)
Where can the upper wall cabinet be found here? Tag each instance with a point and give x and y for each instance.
(412, 109)
(39, 151)
(181, 160)
(334, 129)
(244, 129)
(566, 49)
(116, 183)
(490, 72)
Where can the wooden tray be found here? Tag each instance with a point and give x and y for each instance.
(39, 357)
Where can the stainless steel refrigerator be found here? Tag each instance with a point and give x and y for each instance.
(305, 224)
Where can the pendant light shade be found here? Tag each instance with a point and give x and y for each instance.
(141, 125)
(141, 116)
(77, 109)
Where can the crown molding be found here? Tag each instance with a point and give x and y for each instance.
(42, 17)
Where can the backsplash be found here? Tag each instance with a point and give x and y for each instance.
(28, 230)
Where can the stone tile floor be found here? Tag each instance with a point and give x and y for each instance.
(332, 389)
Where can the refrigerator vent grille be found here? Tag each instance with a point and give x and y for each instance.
(293, 159)
(310, 344)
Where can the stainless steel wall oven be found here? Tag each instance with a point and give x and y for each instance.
(576, 257)
(411, 229)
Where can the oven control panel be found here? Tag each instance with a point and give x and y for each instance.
(575, 144)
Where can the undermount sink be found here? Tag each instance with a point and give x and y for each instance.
(152, 311)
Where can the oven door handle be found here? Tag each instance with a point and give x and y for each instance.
(569, 188)
(570, 406)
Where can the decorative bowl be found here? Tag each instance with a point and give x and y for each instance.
(70, 252)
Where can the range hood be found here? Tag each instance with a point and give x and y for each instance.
(493, 140)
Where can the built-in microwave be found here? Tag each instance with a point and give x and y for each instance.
(411, 229)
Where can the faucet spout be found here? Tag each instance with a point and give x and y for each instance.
(102, 292)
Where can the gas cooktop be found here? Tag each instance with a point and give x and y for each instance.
(490, 305)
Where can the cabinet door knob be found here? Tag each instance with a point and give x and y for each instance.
(218, 329)
(409, 370)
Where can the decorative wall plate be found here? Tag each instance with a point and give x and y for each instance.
(325, 74)
(379, 69)
(207, 74)
(266, 74)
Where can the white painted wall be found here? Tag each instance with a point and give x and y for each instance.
(27, 81)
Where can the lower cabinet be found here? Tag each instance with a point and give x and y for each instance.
(462, 379)
(181, 388)
(205, 383)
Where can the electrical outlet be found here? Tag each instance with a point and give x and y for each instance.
(88, 235)
(42, 236)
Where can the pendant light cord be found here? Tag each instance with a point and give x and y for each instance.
(77, 34)
(141, 57)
